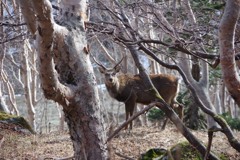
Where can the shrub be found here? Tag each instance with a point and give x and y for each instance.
(155, 114)
(234, 123)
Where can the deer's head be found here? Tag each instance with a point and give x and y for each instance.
(110, 74)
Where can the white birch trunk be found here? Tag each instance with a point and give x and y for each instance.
(26, 74)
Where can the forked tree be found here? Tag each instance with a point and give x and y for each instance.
(66, 72)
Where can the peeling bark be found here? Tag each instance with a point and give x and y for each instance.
(67, 75)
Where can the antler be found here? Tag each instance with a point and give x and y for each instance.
(119, 62)
(98, 63)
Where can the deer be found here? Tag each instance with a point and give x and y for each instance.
(130, 89)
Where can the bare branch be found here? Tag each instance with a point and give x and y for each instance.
(13, 38)
(178, 46)
(122, 156)
(29, 15)
(225, 128)
(131, 119)
(12, 24)
(50, 83)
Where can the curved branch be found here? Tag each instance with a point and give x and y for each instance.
(131, 119)
(227, 49)
(225, 128)
(12, 24)
(137, 40)
(179, 46)
(164, 106)
(13, 38)
(47, 30)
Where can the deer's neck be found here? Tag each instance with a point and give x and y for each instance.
(120, 90)
(113, 89)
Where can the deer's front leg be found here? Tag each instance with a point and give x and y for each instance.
(129, 107)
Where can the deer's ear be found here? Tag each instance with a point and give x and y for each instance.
(101, 69)
(117, 69)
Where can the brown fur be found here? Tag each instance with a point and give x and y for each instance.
(131, 90)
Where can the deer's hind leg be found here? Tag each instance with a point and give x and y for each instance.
(166, 118)
(179, 109)
(165, 123)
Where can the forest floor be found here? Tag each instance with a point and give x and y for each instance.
(57, 145)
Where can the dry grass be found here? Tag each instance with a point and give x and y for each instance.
(142, 139)
(21, 146)
(58, 145)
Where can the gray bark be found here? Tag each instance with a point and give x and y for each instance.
(3, 106)
(67, 76)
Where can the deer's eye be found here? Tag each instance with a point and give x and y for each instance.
(113, 74)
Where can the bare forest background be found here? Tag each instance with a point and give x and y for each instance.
(20, 85)
(179, 37)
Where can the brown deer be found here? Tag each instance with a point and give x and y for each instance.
(131, 90)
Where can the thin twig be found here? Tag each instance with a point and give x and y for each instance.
(64, 158)
(125, 157)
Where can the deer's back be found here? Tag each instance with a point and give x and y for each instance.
(167, 86)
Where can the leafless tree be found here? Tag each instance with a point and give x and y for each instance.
(133, 38)
(66, 73)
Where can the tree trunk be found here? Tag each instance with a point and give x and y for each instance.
(11, 94)
(217, 100)
(223, 98)
(3, 76)
(67, 75)
(3, 106)
(27, 86)
(194, 120)
(227, 49)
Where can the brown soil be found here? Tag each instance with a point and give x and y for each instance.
(18, 145)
